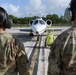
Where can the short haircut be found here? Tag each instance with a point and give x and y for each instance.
(5, 21)
(2, 16)
(73, 8)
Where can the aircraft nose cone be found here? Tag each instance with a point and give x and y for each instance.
(36, 32)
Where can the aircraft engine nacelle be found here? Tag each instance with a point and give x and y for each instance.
(49, 22)
(30, 23)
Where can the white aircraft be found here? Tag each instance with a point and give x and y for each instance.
(39, 26)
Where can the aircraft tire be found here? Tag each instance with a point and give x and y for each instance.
(31, 34)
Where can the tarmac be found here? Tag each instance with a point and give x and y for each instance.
(41, 62)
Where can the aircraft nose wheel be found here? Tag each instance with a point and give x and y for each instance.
(31, 34)
(38, 38)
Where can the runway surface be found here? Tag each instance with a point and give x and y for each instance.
(41, 57)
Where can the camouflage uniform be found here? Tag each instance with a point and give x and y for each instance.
(62, 58)
(13, 59)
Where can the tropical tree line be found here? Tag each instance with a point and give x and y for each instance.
(56, 20)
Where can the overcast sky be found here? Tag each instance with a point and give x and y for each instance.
(23, 8)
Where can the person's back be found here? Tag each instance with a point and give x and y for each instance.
(7, 59)
(13, 58)
(62, 58)
(12, 55)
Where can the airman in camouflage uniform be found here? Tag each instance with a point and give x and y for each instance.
(13, 59)
(62, 57)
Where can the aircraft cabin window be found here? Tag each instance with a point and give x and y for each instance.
(41, 22)
(35, 22)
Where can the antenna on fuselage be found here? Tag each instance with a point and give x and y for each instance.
(40, 14)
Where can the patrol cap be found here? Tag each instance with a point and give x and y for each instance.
(67, 14)
(5, 21)
(70, 11)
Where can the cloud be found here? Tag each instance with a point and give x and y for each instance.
(35, 7)
(11, 9)
(47, 6)
(62, 3)
(57, 6)
(36, 4)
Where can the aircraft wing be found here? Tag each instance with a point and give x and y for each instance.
(58, 28)
(27, 29)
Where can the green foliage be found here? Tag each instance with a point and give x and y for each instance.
(56, 20)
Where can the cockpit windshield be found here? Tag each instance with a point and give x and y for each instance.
(41, 22)
(38, 21)
(35, 22)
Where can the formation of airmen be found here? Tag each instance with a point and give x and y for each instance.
(62, 56)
